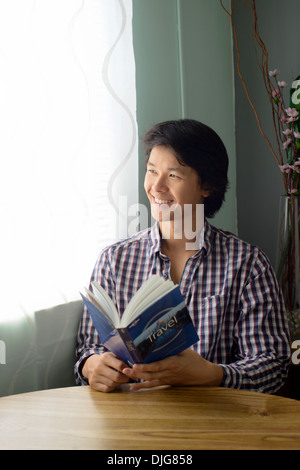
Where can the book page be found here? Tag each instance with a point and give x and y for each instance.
(105, 303)
(153, 289)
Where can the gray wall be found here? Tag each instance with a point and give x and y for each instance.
(259, 181)
(184, 68)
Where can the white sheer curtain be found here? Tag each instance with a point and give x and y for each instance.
(68, 152)
(68, 143)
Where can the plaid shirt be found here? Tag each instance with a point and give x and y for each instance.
(231, 293)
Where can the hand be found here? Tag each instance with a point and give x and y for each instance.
(187, 368)
(104, 371)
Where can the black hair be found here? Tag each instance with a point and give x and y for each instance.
(199, 147)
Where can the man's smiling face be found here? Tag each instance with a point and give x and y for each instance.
(169, 184)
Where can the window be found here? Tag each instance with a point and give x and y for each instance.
(68, 144)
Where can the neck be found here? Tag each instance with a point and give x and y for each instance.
(174, 239)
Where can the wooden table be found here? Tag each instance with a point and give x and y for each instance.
(167, 418)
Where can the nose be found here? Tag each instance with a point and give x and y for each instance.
(160, 184)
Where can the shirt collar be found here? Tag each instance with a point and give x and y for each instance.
(154, 239)
(206, 238)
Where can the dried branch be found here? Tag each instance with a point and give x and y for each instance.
(242, 78)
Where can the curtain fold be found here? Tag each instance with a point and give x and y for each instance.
(68, 152)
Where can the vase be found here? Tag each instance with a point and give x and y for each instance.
(288, 258)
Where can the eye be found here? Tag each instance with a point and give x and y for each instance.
(150, 170)
(173, 176)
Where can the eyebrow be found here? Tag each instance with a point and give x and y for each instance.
(178, 169)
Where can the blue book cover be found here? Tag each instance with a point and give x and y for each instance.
(164, 328)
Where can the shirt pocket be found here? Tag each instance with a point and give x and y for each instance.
(213, 323)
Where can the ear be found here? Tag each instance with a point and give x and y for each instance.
(206, 192)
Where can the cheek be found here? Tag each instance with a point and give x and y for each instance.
(146, 183)
(192, 195)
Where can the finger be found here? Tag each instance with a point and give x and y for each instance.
(139, 369)
(137, 374)
(102, 384)
(111, 360)
(157, 366)
(142, 385)
(108, 381)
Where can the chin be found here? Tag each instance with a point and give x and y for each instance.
(166, 213)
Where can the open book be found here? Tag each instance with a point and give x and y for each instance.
(154, 325)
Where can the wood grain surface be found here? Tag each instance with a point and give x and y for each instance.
(160, 419)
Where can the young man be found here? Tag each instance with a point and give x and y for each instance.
(229, 286)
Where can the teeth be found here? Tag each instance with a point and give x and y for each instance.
(161, 201)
